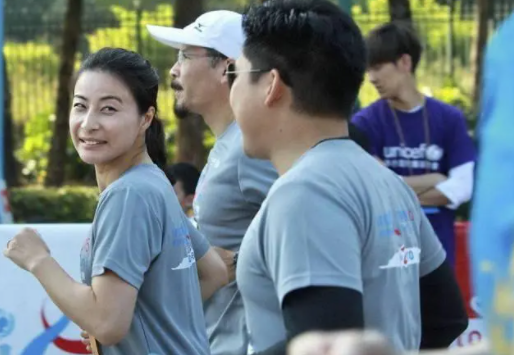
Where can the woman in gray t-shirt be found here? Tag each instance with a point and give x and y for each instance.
(141, 293)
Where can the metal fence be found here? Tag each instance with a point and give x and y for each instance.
(32, 49)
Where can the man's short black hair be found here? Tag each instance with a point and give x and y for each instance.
(388, 43)
(317, 48)
(186, 173)
(216, 56)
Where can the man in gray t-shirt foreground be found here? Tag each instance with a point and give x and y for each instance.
(231, 186)
(340, 241)
(366, 232)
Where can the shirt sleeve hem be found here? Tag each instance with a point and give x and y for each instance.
(122, 273)
(432, 263)
(458, 188)
(446, 190)
(296, 282)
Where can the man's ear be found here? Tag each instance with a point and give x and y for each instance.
(405, 63)
(188, 200)
(224, 78)
(275, 88)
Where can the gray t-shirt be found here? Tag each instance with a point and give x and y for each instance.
(141, 234)
(230, 191)
(338, 218)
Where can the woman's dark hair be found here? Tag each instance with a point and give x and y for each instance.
(143, 82)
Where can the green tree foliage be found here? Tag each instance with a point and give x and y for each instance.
(33, 67)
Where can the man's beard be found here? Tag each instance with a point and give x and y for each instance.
(181, 111)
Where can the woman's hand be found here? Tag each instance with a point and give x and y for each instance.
(27, 249)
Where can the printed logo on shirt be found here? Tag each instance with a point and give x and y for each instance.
(85, 256)
(182, 239)
(386, 226)
(250, 350)
(403, 258)
(421, 157)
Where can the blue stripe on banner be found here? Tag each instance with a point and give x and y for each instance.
(38, 346)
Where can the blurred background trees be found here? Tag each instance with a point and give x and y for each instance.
(46, 40)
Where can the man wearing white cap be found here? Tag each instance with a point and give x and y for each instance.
(232, 186)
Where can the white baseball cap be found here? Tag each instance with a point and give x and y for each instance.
(219, 30)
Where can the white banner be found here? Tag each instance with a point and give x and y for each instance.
(30, 324)
(476, 328)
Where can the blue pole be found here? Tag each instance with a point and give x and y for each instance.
(2, 143)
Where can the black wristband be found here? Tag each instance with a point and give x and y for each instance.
(236, 256)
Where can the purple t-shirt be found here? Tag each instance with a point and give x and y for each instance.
(450, 146)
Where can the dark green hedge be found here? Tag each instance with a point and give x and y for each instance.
(76, 204)
(70, 204)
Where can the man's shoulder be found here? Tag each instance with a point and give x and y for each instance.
(370, 110)
(448, 111)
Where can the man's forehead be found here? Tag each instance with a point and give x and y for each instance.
(194, 49)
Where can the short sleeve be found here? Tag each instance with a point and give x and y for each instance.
(255, 178)
(432, 252)
(310, 240)
(127, 235)
(200, 243)
(363, 124)
(461, 148)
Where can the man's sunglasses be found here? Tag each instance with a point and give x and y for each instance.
(231, 73)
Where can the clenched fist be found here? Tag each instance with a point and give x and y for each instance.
(27, 249)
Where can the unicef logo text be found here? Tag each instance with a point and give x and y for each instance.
(433, 152)
(6, 324)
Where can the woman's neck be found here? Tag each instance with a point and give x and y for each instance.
(106, 174)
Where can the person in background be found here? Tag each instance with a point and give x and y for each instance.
(420, 138)
(232, 186)
(340, 241)
(142, 250)
(184, 178)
